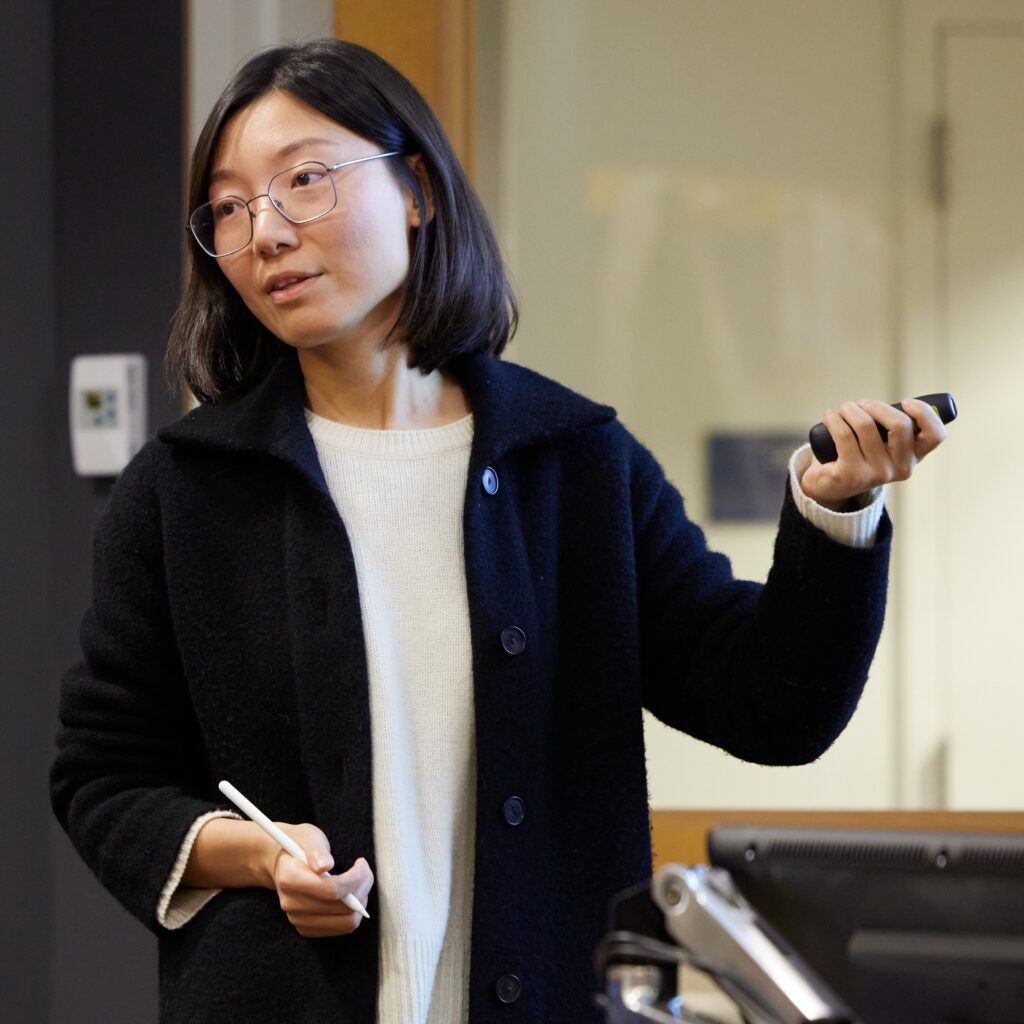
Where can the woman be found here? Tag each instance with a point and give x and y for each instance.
(387, 584)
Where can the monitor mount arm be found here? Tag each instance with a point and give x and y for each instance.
(695, 916)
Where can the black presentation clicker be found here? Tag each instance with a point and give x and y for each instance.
(824, 447)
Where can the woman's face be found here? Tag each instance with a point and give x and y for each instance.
(336, 280)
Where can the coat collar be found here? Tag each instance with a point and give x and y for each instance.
(512, 407)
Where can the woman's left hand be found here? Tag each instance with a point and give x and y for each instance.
(865, 460)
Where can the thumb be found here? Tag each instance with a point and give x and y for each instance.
(318, 851)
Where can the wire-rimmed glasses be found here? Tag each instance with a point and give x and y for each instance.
(300, 194)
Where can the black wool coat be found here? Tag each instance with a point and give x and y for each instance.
(225, 641)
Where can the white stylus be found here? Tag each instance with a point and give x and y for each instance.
(246, 806)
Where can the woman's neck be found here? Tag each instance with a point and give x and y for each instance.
(379, 392)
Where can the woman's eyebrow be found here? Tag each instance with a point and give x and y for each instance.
(223, 173)
(302, 143)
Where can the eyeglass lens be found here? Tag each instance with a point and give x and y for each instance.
(301, 193)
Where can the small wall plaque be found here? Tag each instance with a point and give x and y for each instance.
(747, 475)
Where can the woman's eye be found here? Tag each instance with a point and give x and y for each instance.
(303, 179)
(224, 208)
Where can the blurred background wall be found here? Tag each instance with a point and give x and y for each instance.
(724, 216)
(721, 215)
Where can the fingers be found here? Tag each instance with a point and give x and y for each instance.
(302, 882)
(866, 459)
(913, 431)
(316, 847)
(863, 460)
(930, 430)
(313, 902)
(894, 457)
(358, 881)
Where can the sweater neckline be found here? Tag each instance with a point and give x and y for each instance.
(391, 444)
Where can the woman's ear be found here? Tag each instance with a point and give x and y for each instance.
(416, 215)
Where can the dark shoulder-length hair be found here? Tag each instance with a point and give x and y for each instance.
(458, 299)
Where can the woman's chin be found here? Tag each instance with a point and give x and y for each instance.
(329, 344)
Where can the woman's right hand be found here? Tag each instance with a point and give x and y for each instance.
(311, 899)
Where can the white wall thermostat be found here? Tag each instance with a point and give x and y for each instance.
(107, 406)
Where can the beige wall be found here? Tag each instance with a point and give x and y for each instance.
(223, 33)
(721, 216)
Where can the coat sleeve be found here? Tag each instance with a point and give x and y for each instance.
(769, 673)
(130, 761)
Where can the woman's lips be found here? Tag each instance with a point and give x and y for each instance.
(286, 289)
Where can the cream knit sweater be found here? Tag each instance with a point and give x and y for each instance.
(400, 494)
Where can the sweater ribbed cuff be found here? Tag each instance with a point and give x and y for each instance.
(856, 529)
(177, 906)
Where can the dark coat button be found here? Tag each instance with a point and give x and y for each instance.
(509, 987)
(513, 639)
(490, 481)
(514, 810)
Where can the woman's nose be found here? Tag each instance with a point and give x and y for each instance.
(271, 230)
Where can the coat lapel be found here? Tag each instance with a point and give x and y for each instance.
(323, 624)
(329, 663)
(513, 407)
(269, 420)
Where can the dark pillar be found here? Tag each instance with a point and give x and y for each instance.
(27, 620)
(91, 129)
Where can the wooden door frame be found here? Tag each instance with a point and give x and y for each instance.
(432, 42)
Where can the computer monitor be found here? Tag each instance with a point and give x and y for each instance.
(908, 927)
